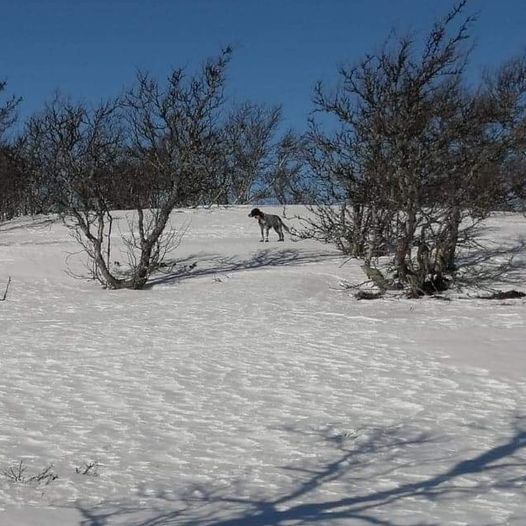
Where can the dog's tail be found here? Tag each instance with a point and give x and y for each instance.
(284, 226)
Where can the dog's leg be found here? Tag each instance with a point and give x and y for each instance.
(262, 228)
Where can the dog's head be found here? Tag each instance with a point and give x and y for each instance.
(256, 212)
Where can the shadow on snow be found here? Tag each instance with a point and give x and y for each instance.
(301, 504)
(211, 264)
(485, 266)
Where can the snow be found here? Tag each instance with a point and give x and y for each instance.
(254, 390)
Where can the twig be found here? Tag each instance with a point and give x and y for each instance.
(346, 261)
(3, 298)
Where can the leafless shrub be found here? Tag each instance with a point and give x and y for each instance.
(88, 469)
(18, 475)
(172, 135)
(414, 163)
(155, 146)
(166, 243)
(73, 150)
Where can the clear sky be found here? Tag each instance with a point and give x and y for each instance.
(90, 49)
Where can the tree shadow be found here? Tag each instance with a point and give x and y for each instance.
(24, 223)
(302, 504)
(486, 266)
(200, 265)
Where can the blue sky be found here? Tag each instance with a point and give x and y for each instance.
(90, 49)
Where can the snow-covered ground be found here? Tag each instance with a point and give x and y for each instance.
(253, 390)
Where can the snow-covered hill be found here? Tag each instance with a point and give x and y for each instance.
(252, 390)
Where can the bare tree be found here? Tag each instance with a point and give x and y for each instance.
(413, 164)
(13, 182)
(172, 143)
(248, 146)
(153, 149)
(7, 111)
(153, 145)
(173, 132)
(286, 180)
(73, 151)
(504, 96)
